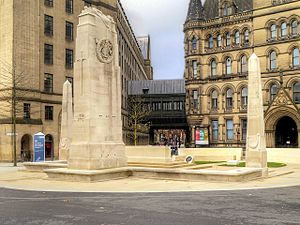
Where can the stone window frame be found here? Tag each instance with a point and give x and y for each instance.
(194, 43)
(48, 3)
(215, 132)
(237, 37)
(69, 31)
(213, 71)
(229, 95)
(284, 31)
(296, 93)
(273, 92)
(48, 83)
(48, 54)
(271, 53)
(219, 40)
(294, 29)
(227, 129)
(228, 62)
(243, 64)
(49, 111)
(26, 110)
(48, 25)
(244, 97)
(69, 6)
(69, 58)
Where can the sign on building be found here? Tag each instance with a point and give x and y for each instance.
(201, 136)
(39, 147)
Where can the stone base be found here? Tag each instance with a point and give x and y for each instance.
(41, 166)
(257, 159)
(97, 156)
(235, 175)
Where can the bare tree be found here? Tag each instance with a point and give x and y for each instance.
(14, 87)
(138, 118)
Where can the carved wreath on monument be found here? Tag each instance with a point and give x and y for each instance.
(104, 51)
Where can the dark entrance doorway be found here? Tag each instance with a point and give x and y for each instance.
(49, 147)
(286, 133)
(26, 148)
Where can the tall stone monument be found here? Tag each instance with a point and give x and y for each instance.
(66, 122)
(256, 154)
(97, 126)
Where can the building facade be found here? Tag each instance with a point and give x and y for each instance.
(37, 45)
(220, 36)
(165, 103)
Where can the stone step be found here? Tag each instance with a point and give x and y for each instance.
(159, 165)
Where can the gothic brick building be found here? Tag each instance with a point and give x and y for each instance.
(220, 36)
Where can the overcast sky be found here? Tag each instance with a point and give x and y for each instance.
(163, 20)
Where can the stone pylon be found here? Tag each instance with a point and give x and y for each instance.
(66, 122)
(256, 154)
(97, 141)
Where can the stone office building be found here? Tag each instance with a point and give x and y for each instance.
(37, 40)
(220, 36)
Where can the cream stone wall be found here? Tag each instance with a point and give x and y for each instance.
(22, 41)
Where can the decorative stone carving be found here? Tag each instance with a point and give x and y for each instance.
(104, 51)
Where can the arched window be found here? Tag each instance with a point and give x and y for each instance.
(219, 40)
(296, 92)
(294, 27)
(244, 64)
(213, 68)
(228, 66)
(228, 41)
(237, 38)
(194, 43)
(225, 9)
(229, 102)
(210, 41)
(244, 97)
(246, 36)
(283, 29)
(273, 92)
(273, 61)
(214, 100)
(295, 57)
(273, 31)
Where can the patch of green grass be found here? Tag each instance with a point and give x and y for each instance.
(270, 165)
(207, 162)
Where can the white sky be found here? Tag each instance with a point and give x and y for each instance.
(163, 20)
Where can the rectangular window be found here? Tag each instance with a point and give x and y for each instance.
(69, 31)
(48, 3)
(26, 111)
(48, 83)
(178, 106)
(215, 130)
(195, 99)
(229, 129)
(48, 54)
(48, 25)
(195, 69)
(69, 6)
(156, 106)
(167, 106)
(48, 112)
(69, 58)
(244, 129)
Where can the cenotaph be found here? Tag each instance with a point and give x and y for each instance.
(66, 122)
(97, 126)
(256, 153)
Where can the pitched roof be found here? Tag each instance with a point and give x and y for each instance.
(156, 87)
(196, 11)
(210, 9)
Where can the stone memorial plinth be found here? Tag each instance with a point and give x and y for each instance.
(97, 126)
(256, 153)
(66, 122)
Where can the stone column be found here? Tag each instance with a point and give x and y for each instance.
(97, 126)
(66, 122)
(256, 154)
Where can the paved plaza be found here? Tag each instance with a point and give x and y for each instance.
(248, 207)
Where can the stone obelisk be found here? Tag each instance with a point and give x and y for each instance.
(97, 126)
(66, 122)
(256, 154)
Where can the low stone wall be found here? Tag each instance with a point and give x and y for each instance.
(212, 154)
(284, 155)
(154, 154)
